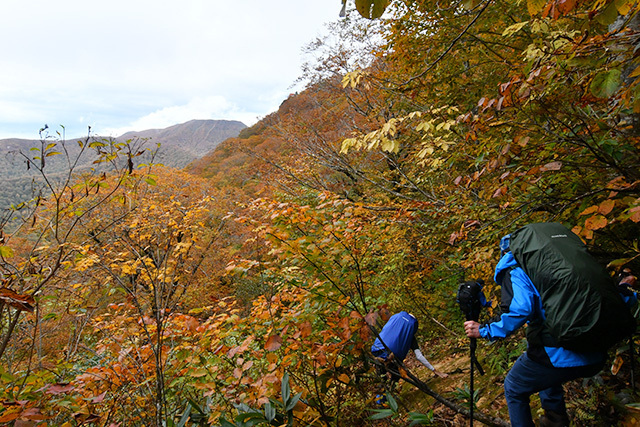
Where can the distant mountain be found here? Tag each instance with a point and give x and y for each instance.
(179, 145)
(191, 140)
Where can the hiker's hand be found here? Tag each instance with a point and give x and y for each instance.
(472, 329)
(440, 374)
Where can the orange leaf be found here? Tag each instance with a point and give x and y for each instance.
(191, 323)
(566, 6)
(596, 222)
(17, 301)
(589, 210)
(606, 207)
(635, 214)
(588, 234)
(9, 416)
(273, 343)
(272, 358)
(403, 372)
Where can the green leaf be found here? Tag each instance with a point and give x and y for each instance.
(292, 402)
(251, 418)
(225, 423)
(380, 414)
(286, 389)
(50, 316)
(608, 15)
(606, 83)
(371, 9)
(616, 263)
(418, 418)
(269, 412)
(392, 402)
(6, 252)
(185, 416)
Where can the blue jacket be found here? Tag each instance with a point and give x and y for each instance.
(522, 304)
(399, 336)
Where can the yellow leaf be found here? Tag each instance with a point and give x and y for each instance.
(636, 72)
(624, 6)
(344, 378)
(535, 6)
(514, 28)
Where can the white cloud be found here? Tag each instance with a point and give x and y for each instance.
(212, 107)
(118, 64)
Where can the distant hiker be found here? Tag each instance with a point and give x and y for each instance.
(546, 365)
(398, 335)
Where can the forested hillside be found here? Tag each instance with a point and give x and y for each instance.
(246, 289)
(179, 145)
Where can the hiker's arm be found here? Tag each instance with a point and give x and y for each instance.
(521, 309)
(426, 363)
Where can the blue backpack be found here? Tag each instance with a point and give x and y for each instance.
(398, 334)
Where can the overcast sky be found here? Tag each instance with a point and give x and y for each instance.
(119, 65)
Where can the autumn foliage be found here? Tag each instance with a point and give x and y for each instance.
(245, 289)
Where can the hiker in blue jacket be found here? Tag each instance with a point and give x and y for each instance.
(541, 369)
(398, 335)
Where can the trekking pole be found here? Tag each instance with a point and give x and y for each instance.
(468, 298)
(472, 355)
(633, 356)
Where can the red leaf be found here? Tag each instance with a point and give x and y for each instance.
(371, 318)
(499, 192)
(273, 343)
(60, 388)
(99, 398)
(305, 329)
(552, 166)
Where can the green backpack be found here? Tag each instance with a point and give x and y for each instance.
(583, 310)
